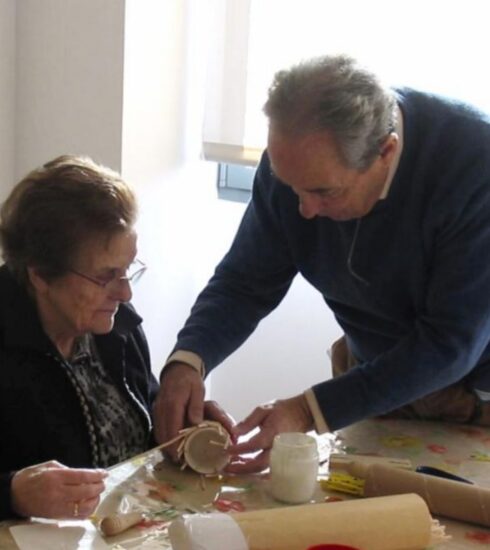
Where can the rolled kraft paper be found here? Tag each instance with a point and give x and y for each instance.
(444, 497)
(400, 522)
(204, 448)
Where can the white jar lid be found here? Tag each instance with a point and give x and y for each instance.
(206, 532)
(295, 445)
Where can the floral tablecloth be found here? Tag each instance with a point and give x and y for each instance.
(163, 492)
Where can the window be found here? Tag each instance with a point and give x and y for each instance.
(435, 45)
(235, 182)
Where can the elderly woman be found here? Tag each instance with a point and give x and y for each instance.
(76, 389)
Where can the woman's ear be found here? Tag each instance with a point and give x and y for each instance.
(37, 282)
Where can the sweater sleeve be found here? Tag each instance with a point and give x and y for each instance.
(249, 282)
(449, 339)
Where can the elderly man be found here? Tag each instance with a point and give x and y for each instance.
(381, 199)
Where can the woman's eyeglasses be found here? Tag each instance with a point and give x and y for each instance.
(133, 275)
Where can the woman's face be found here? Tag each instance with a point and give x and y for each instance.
(73, 305)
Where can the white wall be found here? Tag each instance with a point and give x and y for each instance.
(122, 81)
(69, 61)
(7, 95)
(155, 160)
(286, 354)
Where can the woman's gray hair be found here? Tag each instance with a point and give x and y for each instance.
(335, 94)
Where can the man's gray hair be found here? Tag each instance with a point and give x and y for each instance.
(337, 94)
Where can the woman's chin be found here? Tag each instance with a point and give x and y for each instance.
(103, 323)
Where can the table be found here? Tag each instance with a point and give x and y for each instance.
(460, 449)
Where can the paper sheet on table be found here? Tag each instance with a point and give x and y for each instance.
(62, 535)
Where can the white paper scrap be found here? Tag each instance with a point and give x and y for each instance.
(62, 535)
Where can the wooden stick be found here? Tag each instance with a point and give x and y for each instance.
(146, 453)
(180, 451)
(217, 443)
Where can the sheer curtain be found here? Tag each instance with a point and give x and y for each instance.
(434, 45)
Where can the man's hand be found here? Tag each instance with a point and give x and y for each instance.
(212, 411)
(284, 415)
(179, 403)
(52, 490)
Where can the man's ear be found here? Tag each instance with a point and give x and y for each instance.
(388, 147)
(37, 282)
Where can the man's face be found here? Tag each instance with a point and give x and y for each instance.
(313, 167)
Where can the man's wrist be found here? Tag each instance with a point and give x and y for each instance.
(189, 358)
(319, 421)
(305, 413)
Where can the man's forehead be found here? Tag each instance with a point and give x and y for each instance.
(297, 152)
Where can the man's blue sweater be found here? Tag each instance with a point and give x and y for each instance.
(409, 283)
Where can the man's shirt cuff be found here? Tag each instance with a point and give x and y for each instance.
(189, 358)
(321, 425)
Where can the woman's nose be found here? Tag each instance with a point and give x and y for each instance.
(122, 291)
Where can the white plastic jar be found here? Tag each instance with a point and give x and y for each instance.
(293, 467)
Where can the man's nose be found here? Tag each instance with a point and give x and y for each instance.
(308, 207)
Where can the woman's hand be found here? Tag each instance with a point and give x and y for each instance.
(52, 490)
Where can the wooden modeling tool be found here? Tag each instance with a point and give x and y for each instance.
(118, 523)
